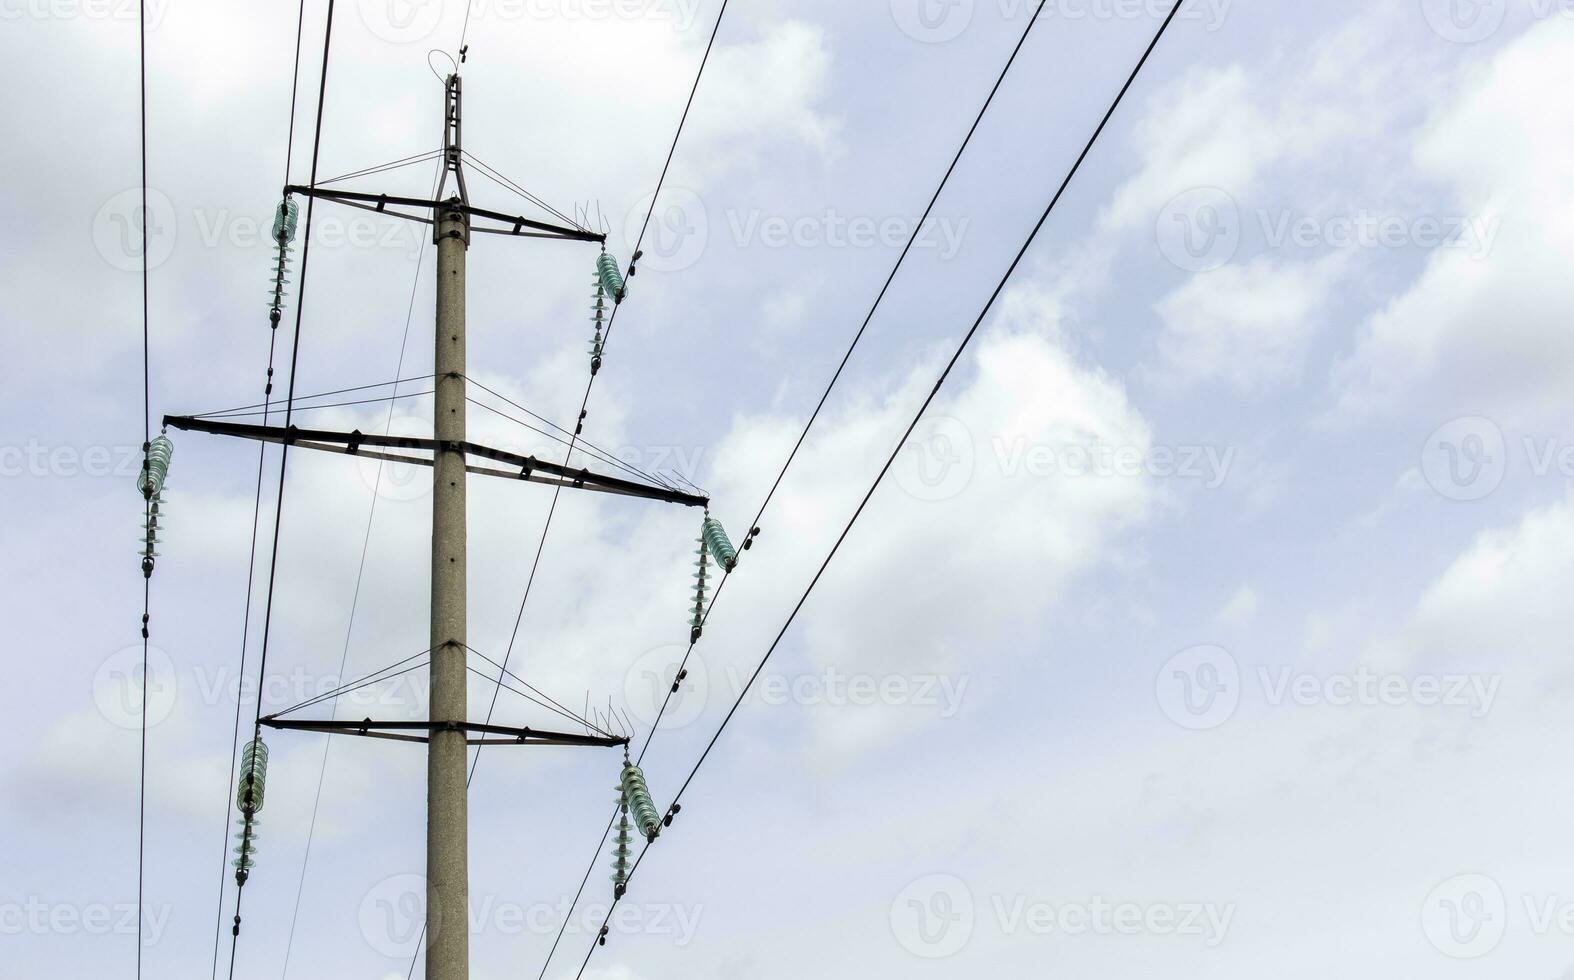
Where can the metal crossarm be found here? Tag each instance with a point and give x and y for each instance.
(358, 443)
(514, 224)
(502, 734)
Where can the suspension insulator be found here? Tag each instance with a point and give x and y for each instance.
(701, 588)
(284, 219)
(150, 481)
(249, 794)
(253, 777)
(284, 222)
(598, 314)
(156, 471)
(640, 805)
(610, 278)
(720, 546)
(620, 848)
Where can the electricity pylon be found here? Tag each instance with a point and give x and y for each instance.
(448, 731)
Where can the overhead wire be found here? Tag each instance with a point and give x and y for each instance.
(284, 454)
(147, 502)
(256, 514)
(906, 435)
(792, 455)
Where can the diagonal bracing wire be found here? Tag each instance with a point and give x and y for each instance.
(792, 455)
(497, 177)
(917, 417)
(385, 167)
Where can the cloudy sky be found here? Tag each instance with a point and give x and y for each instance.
(1208, 626)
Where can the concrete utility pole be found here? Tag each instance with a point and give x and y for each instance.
(447, 803)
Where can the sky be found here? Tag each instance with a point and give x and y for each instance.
(1209, 624)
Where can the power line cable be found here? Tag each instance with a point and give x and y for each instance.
(284, 453)
(917, 417)
(792, 455)
(147, 502)
(256, 513)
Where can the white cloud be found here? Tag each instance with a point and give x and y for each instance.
(964, 521)
(1489, 330)
(1241, 608)
(1247, 325)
